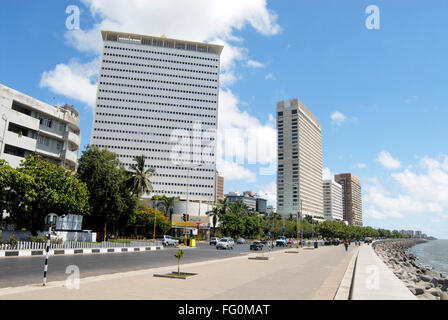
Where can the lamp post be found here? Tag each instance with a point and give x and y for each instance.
(50, 221)
(155, 221)
(5, 118)
(188, 194)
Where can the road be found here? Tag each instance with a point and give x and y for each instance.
(19, 271)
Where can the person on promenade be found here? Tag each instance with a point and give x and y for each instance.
(346, 244)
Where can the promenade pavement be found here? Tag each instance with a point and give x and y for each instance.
(309, 274)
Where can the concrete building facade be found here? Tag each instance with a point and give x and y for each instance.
(332, 192)
(299, 171)
(352, 198)
(219, 195)
(158, 97)
(28, 125)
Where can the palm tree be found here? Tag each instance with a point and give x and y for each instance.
(239, 208)
(140, 182)
(215, 213)
(223, 204)
(168, 205)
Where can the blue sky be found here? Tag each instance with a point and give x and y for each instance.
(386, 89)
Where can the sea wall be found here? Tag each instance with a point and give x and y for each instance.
(424, 282)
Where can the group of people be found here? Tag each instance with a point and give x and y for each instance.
(357, 243)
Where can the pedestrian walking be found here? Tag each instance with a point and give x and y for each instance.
(346, 244)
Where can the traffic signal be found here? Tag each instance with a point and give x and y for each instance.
(187, 216)
(184, 217)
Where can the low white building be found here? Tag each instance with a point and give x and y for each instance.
(332, 192)
(28, 125)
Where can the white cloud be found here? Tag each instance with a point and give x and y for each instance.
(387, 161)
(337, 118)
(254, 64)
(269, 192)
(270, 76)
(361, 165)
(326, 174)
(421, 194)
(232, 171)
(75, 80)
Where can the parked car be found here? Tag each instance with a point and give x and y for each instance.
(168, 240)
(213, 240)
(281, 241)
(225, 243)
(256, 245)
(241, 241)
(264, 241)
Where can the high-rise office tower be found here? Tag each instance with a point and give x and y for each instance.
(352, 198)
(299, 172)
(158, 97)
(332, 200)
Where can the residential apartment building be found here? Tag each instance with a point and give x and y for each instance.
(158, 97)
(299, 171)
(352, 198)
(332, 192)
(28, 125)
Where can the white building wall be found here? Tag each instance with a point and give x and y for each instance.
(299, 173)
(332, 193)
(28, 125)
(151, 99)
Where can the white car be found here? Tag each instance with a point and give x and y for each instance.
(225, 243)
(168, 240)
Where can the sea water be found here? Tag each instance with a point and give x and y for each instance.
(433, 253)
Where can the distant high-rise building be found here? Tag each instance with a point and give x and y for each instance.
(332, 200)
(28, 125)
(158, 97)
(219, 187)
(250, 198)
(299, 172)
(352, 198)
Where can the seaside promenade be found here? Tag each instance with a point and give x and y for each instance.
(309, 274)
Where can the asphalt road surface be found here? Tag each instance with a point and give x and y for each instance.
(19, 271)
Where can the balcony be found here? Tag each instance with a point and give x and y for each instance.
(13, 161)
(21, 141)
(71, 156)
(74, 139)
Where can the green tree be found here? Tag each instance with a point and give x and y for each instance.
(179, 255)
(42, 188)
(238, 208)
(232, 225)
(145, 217)
(111, 201)
(250, 224)
(139, 182)
(168, 206)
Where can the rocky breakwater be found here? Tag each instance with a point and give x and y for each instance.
(424, 282)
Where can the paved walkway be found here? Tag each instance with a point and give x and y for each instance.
(373, 280)
(309, 274)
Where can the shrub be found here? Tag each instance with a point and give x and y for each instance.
(41, 239)
(57, 241)
(13, 240)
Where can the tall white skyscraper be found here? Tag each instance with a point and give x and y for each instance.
(332, 192)
(299, 172)
(158, 97)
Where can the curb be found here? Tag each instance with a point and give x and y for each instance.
(344, 291)
(74, 251)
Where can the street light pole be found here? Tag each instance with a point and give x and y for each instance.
(155, 221)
